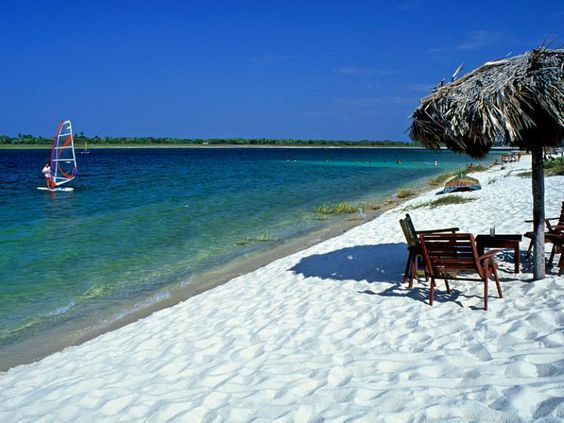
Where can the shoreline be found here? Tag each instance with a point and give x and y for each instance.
(50, 341)
(78, 330)
(128, 146)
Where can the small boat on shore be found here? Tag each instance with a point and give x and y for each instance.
(461, 182)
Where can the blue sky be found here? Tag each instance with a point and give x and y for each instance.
(285, 69)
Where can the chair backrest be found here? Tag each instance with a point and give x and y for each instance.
(560, 223)
(450, 252)
(409, 231)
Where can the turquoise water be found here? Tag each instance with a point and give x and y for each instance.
(142, 220)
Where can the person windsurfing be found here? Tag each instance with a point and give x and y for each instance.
(47, 173)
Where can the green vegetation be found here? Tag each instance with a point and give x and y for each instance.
(551, 167)
(471, 168)
(442, 178)
(24, 139)
(339, 208)
(405, 193)
(554, 167)
(259, 238)
(443, 201)
(80, 139)
(372, 206)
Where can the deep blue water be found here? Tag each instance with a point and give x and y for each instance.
(140, 220)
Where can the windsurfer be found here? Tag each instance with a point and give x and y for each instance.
(47, 173)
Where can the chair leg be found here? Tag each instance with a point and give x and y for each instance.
(407, 268)
(549, 264)
(432, 291)
(497, 282)
(446, 283)
(486, 294)
(413, 270)
(530, 248)
(423, 265)
(419, 262)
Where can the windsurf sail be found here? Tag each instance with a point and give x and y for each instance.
(63, 160)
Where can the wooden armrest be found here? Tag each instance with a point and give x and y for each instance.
(430, 231)
(545, 219)
(489, 254)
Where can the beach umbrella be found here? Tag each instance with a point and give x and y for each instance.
(517, 101)
(461, 182)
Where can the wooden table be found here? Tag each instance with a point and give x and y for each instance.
(503, 241)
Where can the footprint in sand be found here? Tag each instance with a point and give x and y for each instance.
(480, 352)
(198, 414)
(471, 375)
(224, 369)
(138, 411)
(172, 370)
(554, 340)
(343, 359)
(251, 352)
(114, 406)
(240, 415)
(215, 400)
(552, 406)
(307, 414)
(521, 369)
(549, 370)
(275, 393)
(542, 322)
(436, 371)
(338, 376)
(307, 387)
(214, 382)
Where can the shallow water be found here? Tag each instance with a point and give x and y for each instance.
(142, 220)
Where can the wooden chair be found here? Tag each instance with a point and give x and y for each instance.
(414, 247)
(558, 241)
(445, 253)
(552, 229)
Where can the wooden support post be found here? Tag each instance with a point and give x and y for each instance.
(538, 213)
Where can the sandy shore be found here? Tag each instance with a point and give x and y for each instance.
(79, 330)
(328, 334)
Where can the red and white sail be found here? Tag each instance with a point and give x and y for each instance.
(63, 160)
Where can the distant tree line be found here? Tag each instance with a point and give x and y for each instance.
(79, 139)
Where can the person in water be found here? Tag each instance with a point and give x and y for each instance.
(47, 173)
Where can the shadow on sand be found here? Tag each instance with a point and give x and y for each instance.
(371, 263)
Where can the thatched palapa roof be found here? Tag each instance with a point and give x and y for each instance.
(517, 100)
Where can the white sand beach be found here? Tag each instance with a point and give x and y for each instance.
(329, 334)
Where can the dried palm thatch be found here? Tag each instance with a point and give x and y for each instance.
(519, 101)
